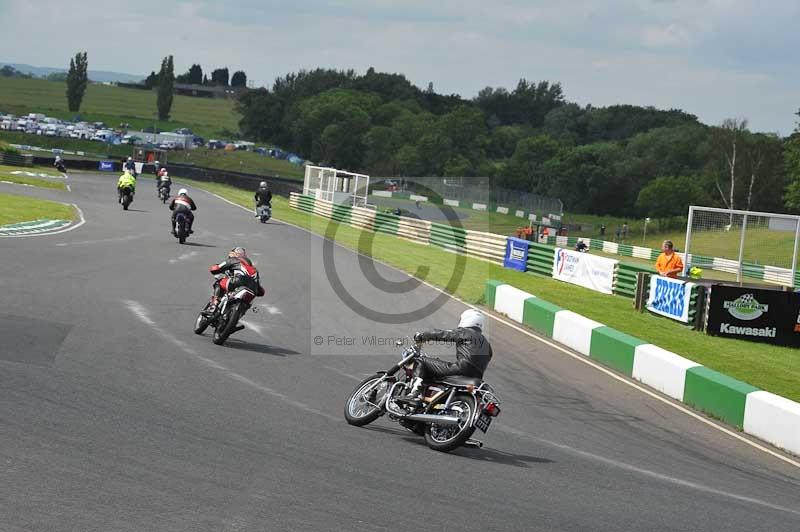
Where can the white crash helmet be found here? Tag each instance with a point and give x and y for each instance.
(472, 318)
(182, 192)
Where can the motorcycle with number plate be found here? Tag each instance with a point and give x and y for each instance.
(163, 194)
(230, 309)
(447, 415)
(264, 212)
(181, 228)
(127, 197)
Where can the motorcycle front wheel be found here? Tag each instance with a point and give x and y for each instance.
(201, 323)
(445, 438)
(361, 407)
(226, 324)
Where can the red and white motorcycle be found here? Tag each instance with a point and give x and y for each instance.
(230, 309)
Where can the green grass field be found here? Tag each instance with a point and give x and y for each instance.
(772, 368)
(6, 175)
(239, 161)
(15, 209)
(207, 117)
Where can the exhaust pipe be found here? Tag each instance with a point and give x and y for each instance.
(430, 418)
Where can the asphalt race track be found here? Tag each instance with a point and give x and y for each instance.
(115, 417)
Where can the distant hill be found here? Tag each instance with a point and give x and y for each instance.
(94, 75)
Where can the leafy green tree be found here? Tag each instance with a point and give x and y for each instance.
(220, 77)
(239, 79)
(526, 169)
(408, 162)
(671, 196)
(381, 144)
(193, 76)
(77, 80)
(166, 88)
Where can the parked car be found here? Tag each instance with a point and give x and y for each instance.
(184, 131)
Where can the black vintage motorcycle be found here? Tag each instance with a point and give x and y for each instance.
(448, 414)
(230, 309)
(163, 193)
(181, 228)
(127, 197)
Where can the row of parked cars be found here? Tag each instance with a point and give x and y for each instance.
(40, 124)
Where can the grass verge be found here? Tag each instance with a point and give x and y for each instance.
(16, 209)
(772, 368)
(22, 179)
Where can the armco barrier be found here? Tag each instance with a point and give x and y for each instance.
(484, 246)
(540, 259)
(625, 280)
(762, 414)
(448, 237)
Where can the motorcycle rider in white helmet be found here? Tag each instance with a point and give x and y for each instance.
(473, 353)
(183, 203)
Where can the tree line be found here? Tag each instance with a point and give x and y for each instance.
(195, 76)
(621, 160)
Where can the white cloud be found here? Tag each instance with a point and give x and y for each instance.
(714, 58)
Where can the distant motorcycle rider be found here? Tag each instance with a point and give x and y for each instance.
(239, 271)
(59, 164)
(130, 166)
(183, 203)
(473, 353)
(163, 180)
(263, 196)
(125, 180)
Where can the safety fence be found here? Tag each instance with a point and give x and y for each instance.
(769, 274)
(485, 246)
(547, 219)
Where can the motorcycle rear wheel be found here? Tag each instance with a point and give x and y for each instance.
(446, 438)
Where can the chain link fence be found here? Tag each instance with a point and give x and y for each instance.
(478, 190)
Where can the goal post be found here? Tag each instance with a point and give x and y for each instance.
(337, 186)
(749, 244)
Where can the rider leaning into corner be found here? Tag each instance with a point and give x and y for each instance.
(125, 180)
(183, 203)
(239, 271)
(473, 353)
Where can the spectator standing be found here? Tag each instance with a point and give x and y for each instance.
(625, 231)
(602, 230)
(617, 233)
(669, 263)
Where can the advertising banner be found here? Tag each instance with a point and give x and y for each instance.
(516, 256)
(106, 166)
(583, 269)
(670, 297)
(769, 316)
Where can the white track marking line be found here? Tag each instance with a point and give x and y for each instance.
(101, 241)
(258, 330)
(646, 472)
(271, 309)
(557, 347)
(183, 257)
(343, 374)
(65, 230)
(141, 312)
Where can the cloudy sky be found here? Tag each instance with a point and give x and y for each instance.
(713, 58)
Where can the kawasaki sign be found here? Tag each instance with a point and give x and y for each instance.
(759, 315)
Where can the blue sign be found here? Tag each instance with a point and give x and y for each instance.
(670, 297)
(106, 166)
(516, 256)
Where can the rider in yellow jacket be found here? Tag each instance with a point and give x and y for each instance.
(125, 180)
